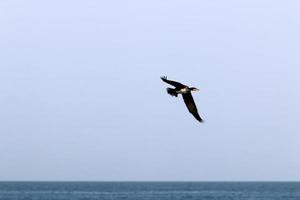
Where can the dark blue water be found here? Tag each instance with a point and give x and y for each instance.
(150, 190)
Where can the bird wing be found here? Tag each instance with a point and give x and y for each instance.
(174, 83)
(190, 104)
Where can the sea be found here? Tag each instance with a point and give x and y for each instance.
(149, 190)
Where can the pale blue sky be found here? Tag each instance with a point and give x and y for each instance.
(81, 97)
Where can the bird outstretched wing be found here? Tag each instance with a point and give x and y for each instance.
(191, 106)
(174, 83)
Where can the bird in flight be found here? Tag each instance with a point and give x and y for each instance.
(185, 91)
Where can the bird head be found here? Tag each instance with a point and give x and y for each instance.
(194, 89)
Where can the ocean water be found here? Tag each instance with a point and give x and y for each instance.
(150, 190)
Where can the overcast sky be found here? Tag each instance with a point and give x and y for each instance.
(81, 98)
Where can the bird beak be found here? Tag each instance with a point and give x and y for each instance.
(196, 89)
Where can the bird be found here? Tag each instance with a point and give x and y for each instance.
(186, 93)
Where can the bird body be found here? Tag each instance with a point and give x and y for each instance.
(185, 91)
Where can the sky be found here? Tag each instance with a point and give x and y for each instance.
(81, 96)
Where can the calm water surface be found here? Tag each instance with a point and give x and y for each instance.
(150, 190)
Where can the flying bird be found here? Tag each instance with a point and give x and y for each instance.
(185, 91)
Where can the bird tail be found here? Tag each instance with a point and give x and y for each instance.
(172, 92)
